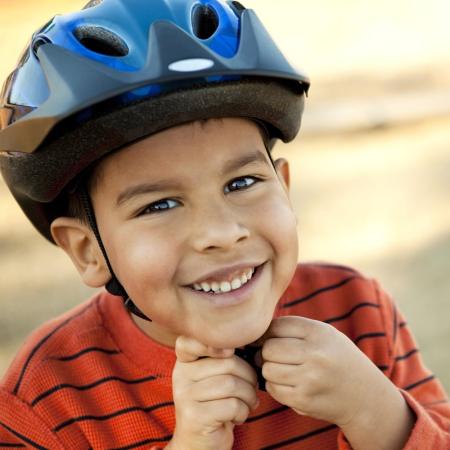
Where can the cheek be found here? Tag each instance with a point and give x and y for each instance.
(280, 228)
(280, 224)
(146, 260)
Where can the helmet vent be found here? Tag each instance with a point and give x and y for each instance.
(238, 8)
(205, 21)
(41, 40)
(100, 40)
(92, 3)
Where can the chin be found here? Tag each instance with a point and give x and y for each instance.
(237, 336)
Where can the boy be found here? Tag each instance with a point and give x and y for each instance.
(136, 135)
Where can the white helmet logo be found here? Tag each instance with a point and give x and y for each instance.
(191, 65)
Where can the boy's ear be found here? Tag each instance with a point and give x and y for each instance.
(79, 242)
(282, 168)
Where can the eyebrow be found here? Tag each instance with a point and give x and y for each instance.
(231, 165)
(252, 157)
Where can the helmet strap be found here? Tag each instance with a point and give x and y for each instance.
(113, 286)
(269, 141)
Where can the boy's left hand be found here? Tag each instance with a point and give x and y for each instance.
(318, 371)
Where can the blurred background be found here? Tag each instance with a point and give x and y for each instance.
(370, 170)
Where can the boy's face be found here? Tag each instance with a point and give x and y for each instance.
(199, 203)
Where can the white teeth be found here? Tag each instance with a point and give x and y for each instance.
(225, 286)
(206, 287)
(236, 283)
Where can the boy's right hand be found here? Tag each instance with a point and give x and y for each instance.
(213, 391)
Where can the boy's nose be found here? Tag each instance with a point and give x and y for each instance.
(217, 228)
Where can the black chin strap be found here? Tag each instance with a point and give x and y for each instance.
(113, 286)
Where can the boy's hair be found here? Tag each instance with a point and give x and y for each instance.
(72, 204)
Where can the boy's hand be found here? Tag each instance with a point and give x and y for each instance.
(318, 371)
(213, 391)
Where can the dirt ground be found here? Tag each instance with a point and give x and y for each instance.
(374, 198)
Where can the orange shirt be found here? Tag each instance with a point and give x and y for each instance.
(92, 379)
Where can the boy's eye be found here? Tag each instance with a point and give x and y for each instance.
(159, 206)
(240, 183)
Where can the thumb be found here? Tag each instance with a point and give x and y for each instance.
(288, 327)
(188, 349)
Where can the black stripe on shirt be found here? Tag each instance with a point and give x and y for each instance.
(418, 383)
(320, 291)
(402, 324)
(355, 308)
(300, 438)
(267, 414)
(146, 442)
(9, 445)
(42, 341)
(407, 355)
(111, 415)
(88, 386)
(368, 336)
(22, 437)
(84, 351)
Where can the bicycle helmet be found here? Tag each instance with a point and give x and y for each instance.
(93, 81)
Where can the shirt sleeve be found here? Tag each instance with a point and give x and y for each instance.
(20, 427)
(422, 391)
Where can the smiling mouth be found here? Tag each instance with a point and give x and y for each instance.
(222, 287)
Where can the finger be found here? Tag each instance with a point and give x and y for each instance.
(223, 387)
(210, 367)
(283, 394)
(284, 350)
(289, 326)
(280, 374)
(189, 349)
(226, 410)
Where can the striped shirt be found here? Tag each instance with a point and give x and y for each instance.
(92, 379)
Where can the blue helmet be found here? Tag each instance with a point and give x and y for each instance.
(95, 80)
